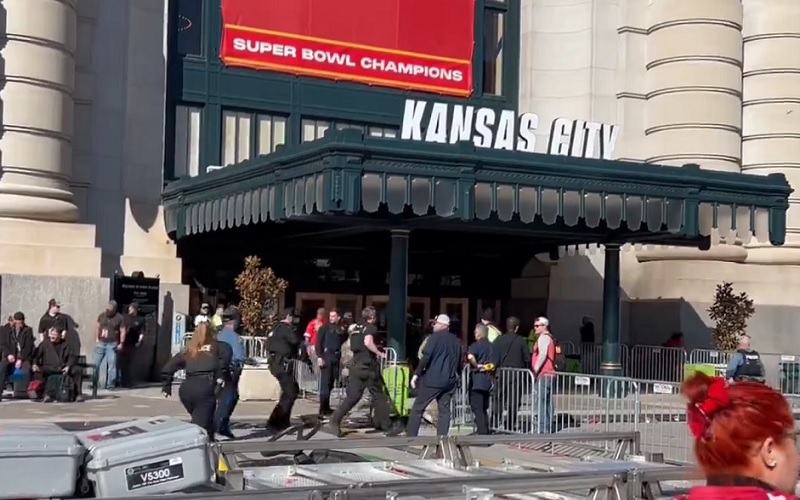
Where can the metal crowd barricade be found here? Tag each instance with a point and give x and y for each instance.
(657, 363)
(309, 378)
(581, 403)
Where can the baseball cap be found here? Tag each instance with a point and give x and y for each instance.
(53, 303)
(229, 314)
(442, 319)
(204, 305)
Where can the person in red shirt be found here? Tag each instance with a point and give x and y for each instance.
(745, 440)
(313, 327)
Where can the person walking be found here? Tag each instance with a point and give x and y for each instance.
(330, 338)
(480, 380)
(285, 347)
(512, 360)
(436, 377)
(364, 375)
(229, 395)
(206, 363)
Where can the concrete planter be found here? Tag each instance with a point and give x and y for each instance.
(258, 384)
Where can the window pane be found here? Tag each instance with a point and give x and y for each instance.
(194, 142)
(382, 132)
(279, 137)
(314, 129)
(243, 137)
(271, 133)
(228, 138)
(321, 128)
(493, 52)
(188, 24)
(187, 141)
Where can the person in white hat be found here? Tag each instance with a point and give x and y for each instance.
(437, 375)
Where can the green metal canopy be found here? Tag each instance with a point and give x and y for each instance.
(346, 173)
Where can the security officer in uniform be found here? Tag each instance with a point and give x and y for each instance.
(230, 393)
(745, 364)
(330, 339)
(364, 374)
(285, 347)
(206, 363)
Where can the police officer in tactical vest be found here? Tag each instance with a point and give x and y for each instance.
(745, 365)
(285, 347)
(364, 374)
(330, 338)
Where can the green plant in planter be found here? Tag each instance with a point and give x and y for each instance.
(730, 313)
(259, 290)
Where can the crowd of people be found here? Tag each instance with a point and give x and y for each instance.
(45, 364)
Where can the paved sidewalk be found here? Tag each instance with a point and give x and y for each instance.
(129, 404)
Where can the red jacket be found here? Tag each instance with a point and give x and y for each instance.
(734, 493)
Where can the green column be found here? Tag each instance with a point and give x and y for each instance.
(611, 362)
(398, 293)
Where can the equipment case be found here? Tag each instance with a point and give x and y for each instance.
(145, 457)
(38, 460)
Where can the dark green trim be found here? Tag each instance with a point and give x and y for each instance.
(325, 177)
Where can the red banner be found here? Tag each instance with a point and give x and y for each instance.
(420, 45)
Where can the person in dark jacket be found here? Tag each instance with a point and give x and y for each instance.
(512, 359)
(330, 338)
(17, 345)
(437, 376)
(54, 360)
(364, 375)
(135, 325)
(206, 363)
(480, 381)
(285, 347)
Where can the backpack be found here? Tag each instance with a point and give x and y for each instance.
(559, 359)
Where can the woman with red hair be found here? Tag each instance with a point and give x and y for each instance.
(745, 440)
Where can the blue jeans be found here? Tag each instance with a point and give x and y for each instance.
(106, 351)
(228, 400)
(544, 405)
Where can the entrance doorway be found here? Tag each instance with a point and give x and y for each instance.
(458, 311)
(308, 303)
(418, 307)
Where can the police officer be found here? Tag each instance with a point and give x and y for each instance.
(285, 347)
(480, 381)
(206, 363)
(330, 338)
(230, 392)
(745, 365)
(364, 374)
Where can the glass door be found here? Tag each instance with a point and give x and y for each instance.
(347, 304)
(418, 307)
(495, 305)
(458, 311)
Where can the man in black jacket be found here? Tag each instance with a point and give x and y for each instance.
(55, 360)
(17, 346)
(512, 359)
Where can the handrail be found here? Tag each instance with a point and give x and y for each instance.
(267, 446)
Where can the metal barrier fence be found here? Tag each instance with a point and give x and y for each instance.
(669, 364)
(573, 402)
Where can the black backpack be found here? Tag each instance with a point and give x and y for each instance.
(559, 359)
